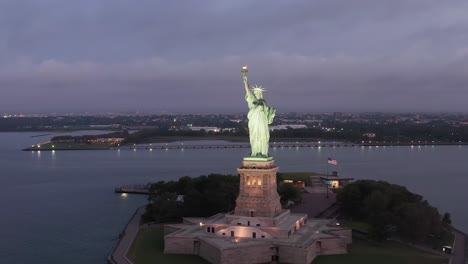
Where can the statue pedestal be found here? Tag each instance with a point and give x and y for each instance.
(258, 159)
(258, 195)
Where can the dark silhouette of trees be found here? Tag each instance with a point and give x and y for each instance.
(446, 219)
(196, 197)
(201, 196)
(289, 192)
(392, 210)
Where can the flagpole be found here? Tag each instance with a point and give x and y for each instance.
(328, 179)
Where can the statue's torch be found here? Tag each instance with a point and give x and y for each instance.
(244, 69)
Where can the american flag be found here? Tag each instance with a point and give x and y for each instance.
(332, 161)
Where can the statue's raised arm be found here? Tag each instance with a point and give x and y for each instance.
(246, 81)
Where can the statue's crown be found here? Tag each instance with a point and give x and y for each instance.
(258, 88)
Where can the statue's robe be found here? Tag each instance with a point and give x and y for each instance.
(260, 116)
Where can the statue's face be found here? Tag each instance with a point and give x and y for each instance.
(258, 94)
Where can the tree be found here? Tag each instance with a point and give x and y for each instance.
(392, 209)
(203, 196)
(164, 208)
(446, 219)
(350, 198)
(289, 192)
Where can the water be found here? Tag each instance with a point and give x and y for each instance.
(59, 207)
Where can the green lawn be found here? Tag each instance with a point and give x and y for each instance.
(362, 252)
(446, 238)
(359, 226)
(148, 246)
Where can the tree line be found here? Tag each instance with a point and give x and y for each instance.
(393, 211)
(202, 196)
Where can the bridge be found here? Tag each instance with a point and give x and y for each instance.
(181, 146)
(234, 146)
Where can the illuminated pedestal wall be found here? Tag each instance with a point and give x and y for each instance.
(258, 194)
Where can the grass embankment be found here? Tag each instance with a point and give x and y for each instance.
(365, 228)
(298, 176)
(148, 248)
(360, 226)
(363, 252)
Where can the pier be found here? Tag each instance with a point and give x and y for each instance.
(133, 188)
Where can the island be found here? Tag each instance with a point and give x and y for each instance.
(383, 217)
(85, 142)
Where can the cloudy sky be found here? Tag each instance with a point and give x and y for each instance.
(186, 56)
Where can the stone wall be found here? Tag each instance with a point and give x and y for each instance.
(209, 252)
(179, 245)
(263, 221)
(333, 246)
(170, 229)
(293, 255)
(258, 195)
(244, 231)
(248, 255)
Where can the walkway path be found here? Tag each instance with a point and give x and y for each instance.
(126, 238)
(459, 249)
(315, 201)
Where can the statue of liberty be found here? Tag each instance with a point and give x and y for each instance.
(260, 116)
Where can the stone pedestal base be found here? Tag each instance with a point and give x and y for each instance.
(258, 231)
(258, 196)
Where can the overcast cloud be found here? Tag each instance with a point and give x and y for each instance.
(185, 56)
